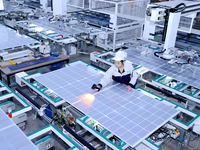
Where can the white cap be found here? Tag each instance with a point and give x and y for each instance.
(120, 55)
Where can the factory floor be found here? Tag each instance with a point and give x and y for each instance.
(36, 124)
(33, 124)
(169, 144)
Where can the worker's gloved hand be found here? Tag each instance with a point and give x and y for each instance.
(96, 87)
(129, 88)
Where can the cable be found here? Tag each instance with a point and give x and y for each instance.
(195, 148)
(54, 118)
(182, 63)
(178, 58)
(33, 92)
(181, 139)
(51, 18)
(156, 136)
(156, 54)
(161, 52)
(179, 63)
(178, 9)
(194, 137)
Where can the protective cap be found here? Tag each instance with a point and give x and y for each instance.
(120, 55)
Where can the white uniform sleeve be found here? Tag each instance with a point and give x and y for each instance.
(134, 76)
(107, 77)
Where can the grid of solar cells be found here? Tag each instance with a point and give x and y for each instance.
(71, 82)
(66, 32)
(11, 137)
(9, 38)
(187, 75)
(132, 116)
(161, 66)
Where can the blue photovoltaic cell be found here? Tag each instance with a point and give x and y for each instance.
(131, 116)
(34, 62)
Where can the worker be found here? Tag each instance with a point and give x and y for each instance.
(44, 48)
(122, 72)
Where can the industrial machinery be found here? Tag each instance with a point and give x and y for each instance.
(14, 16)
(66, 116)
(77, 125)
(14, 106)
(45, 143)
(14, 53)
(8, 107)
(16, 46)
(167, 22)
(171, 91)
(15, 12)
(115, 19)
(44, 48)
(33, 3)
(108, 29)
(45, 5)
(20, 120)
(53, 34)
(46, 138)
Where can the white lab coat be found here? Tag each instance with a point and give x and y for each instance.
(128, 74)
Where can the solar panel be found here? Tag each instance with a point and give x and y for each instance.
(132, 116)
(71, 82)
(187, 75)
(161, 66)
(11, 137)
(66, 32)
(9, 38)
